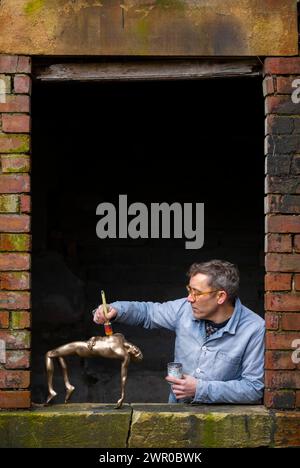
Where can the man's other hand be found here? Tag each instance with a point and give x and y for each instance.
(183, 388)
(99, 316)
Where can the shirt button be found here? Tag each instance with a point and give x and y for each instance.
(198, 370)
(204, 348)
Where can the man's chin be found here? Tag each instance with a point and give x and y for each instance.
(198, 314)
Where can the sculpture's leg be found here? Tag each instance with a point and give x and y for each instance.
(69, 388)
(124, 370)
(65, 350)
(50, 370)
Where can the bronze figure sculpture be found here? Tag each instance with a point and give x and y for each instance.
(114, 346)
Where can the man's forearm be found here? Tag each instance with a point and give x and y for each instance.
(147, 314)
(232, 391)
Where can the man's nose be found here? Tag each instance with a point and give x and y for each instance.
(191, 298)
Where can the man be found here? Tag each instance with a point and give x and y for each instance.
(219, 342)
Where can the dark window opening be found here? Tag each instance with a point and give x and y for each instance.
(177, 141)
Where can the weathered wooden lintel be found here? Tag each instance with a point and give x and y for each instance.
(143, 70)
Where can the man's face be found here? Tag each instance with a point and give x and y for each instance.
(205, 305)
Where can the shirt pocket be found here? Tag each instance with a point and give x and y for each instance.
(226, 367)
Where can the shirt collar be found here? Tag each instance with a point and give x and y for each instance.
(230, 327)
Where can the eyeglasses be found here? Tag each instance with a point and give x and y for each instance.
(195, 293)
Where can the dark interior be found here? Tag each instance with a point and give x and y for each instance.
(172, 141)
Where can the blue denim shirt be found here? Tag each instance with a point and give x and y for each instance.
(229, 365)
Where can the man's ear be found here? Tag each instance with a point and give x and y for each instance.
(222, 296)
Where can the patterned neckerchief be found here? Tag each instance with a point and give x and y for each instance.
(212, 327)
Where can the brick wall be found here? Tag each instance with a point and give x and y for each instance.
(282, 281)
(282, 231)
(15, 238)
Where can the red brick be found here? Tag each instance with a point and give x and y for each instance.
(14, 183)
(14, 261)
(291, 321)
(15, 242)
(283, 262)
(14, 300)
(282, 379)
(17, 359)
(15, 103)
(279, 124)
(268, 85)
(283, 399)
(282, 66)
(282, 341)
(272, 320)
(281, 104)
(278, 243)
(8, 63)
(15, 399)
(24, 64)
(25, 204)
(22, 84)
(14, 143)
(20, 319)
(282, 223)
(290, 204)
(279, 360)
(14, 379)
(282, 204)
(282, 301)
(297, 282)
(283, 184)
(284, 84)
(297, 243)
(268, 398)
(16, 339)
(14, 223)
(4, 319)
(286, 429)
(278, 281)
(272, 203)
(14, 280)
(15, 163)
(15, 123)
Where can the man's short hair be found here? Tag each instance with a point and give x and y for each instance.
(221, 275)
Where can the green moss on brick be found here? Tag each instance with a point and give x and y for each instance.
(142, 29)
(173, 4)
(24, 145)
(200, 426)
(15, 163)
(101, 426)
(9, 203)
(15, 242)
(14, 143)
(33, 6)
(22, 339)
(66, 426)
(17, 322)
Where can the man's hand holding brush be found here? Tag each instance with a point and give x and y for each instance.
(99, 316)
(104, 314)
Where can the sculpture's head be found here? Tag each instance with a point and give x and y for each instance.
(135, 353)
